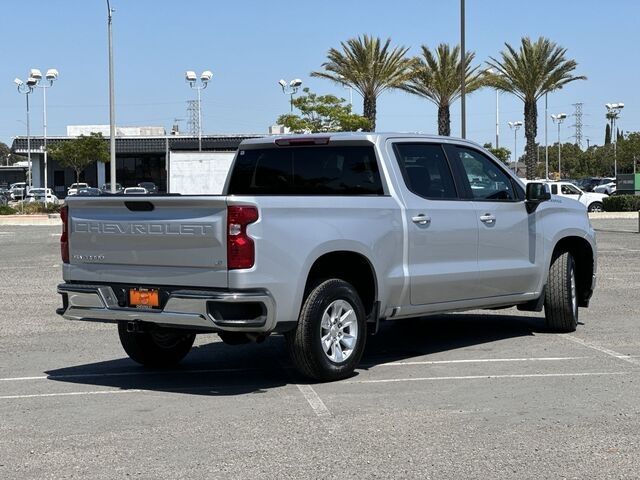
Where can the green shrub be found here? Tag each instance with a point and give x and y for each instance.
(37, 208)
(622, 203)
(7, 210)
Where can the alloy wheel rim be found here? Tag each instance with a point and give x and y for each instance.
(574, 297)
(339, 331)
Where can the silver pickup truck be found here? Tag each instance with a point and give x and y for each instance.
(321, 237)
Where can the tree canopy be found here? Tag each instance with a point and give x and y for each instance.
(81, 152)
(437, 76)
(322, 113)
(369, 66)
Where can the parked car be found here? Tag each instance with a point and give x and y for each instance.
(74, 187)
(37, 195)
(18, 190)
(135, 191)
(149, 186)
(106, 188)
(321, 237)
(593, 201)
(608, 188)
(90, 192)
(589, 183)
(5, 195)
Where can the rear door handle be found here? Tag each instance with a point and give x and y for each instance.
(421, 219)
(487, 218)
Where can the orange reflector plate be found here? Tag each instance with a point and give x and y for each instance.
(144, 297)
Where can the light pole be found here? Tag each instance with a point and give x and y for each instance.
(290, 88)
(112, 106)
(496, 73)
(559, 118)
(192, 80)
(515, 126)
(27, 89)
(463, 74)
(347, 86)
(613, 113)
(546, 142)
(50, 77)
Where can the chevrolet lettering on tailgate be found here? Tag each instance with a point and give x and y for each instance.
(108, 228)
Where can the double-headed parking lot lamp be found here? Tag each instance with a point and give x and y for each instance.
(613, 113)
(290, 88)
(27, 89)
(50, 77)
(515, 126)
(192, 79)
(559, 118)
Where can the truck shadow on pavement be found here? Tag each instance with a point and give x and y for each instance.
(218, 369)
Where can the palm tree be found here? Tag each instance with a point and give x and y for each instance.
(437, 78)
(534, 70)
(368, 66)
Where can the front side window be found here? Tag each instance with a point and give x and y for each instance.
(426, 170)
(323, 170)
(486, 180)
(570, 190)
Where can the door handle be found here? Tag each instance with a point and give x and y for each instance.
(421, 219)
(487, 218)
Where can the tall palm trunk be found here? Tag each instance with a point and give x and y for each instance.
(530, 132)
(444, 120)
(369, 111)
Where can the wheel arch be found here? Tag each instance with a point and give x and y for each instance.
(350, 266)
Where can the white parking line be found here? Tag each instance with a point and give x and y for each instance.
(489, 377)
(68, 394)
(473, 360)
(314, 400)
(599, 348)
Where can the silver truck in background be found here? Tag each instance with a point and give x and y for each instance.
(321, 237)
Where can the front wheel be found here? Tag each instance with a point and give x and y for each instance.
(155, 348)
(561, 295)
(596, 207)
(330, 337)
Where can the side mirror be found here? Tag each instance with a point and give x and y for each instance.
(537, 192)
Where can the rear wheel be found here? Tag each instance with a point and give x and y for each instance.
(561, 295)
(330, 337)
(596, 207)
(155, 348)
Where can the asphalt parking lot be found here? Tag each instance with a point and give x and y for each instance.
(473, 395)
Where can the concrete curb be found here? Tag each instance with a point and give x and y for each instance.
(30, 220)
(612, 215)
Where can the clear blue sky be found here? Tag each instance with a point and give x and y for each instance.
(250, 45)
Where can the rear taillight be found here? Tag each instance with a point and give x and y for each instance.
(240, 247)
(64, 238)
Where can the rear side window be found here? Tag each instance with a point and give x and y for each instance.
(331, 170)
(426, 170)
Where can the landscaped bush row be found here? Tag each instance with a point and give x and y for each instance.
(622, 203)
(29, 209)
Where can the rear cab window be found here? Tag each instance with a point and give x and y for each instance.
(306, 170)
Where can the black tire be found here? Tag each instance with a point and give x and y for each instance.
(155, 348)
(560, 301)
(596, 207)
(305, 344)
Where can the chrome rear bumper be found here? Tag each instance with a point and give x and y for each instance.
(204, 310)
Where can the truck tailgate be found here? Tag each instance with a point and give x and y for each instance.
(159, 240)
